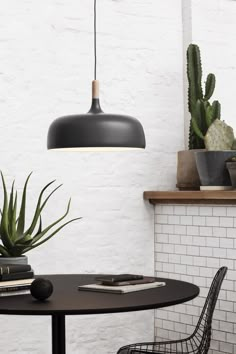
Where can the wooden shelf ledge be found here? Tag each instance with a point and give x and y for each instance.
(191, 197)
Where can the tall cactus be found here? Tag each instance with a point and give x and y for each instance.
(194, 72)
(202, 112)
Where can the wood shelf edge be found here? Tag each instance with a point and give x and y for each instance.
(190, 197)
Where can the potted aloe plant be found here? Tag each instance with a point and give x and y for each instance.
(202, 114)
(16, 240)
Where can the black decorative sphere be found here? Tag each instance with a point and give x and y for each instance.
(41, 289)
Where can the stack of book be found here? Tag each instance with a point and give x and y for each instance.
(122, 283)
(15, 279)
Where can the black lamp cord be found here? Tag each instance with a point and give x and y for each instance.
(95, 39)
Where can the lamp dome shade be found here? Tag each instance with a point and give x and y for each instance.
(96, 130)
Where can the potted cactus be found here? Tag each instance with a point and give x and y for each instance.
(202, 112)
(16, 240)
(220, 147)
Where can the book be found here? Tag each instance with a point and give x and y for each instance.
(16, 276)
(13, 285)
(120, 289)
(14, 288)
(144, 280)
(15, 292)
(14, 268)
(113, 279)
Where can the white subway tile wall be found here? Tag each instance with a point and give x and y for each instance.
(191, 243)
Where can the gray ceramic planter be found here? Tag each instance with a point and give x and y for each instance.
(211, 166)
(13, 260)
(231, 166)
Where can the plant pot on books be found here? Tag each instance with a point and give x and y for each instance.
(212, 169)
(13, 260)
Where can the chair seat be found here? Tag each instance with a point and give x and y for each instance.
(199, 341)
(185, 346)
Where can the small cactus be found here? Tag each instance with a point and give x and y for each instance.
(219, 136)
(202, 112)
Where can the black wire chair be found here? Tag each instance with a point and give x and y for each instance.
(199, 341)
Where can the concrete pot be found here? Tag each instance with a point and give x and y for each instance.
(212, 169)
(231, 166)
(13, 260)
(187, 174)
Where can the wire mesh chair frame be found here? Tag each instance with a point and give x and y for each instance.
(199, 341)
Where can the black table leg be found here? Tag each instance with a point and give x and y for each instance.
(58, 334)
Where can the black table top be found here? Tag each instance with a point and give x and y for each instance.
(67, 300)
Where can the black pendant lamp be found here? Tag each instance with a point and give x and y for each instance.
(95, 130)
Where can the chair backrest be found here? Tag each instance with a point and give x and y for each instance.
(202, 333)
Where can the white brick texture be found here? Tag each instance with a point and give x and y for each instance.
(197, 262)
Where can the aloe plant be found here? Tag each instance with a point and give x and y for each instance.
(16, 239)
(203, 113)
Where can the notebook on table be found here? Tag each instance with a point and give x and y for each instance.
(124, 287)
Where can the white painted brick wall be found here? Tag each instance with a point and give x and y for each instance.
(194, 255)
(46, 68)
(211, 24)
(214, 29)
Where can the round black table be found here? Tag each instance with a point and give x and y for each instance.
(68, 300)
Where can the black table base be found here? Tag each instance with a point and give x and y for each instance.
(58, 334)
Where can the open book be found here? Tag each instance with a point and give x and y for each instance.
(120, 289)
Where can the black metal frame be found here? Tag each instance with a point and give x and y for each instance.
(199, 341)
